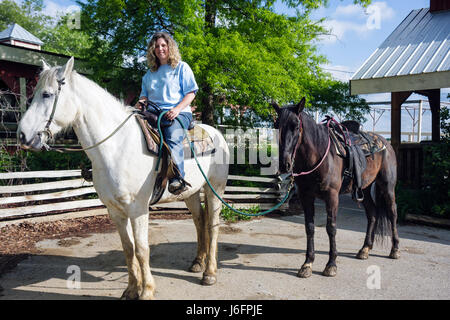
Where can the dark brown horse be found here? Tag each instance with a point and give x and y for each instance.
(304, 149)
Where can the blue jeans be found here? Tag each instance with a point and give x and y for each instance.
(174, 136)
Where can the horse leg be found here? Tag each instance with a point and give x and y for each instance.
(308, 207)
(392, 216)
(332, 204)
(213, 208)
(387, 207)
(193, 203)
(142, 251)
(370, 209)
(126, 236)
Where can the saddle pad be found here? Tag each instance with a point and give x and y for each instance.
(369, 142)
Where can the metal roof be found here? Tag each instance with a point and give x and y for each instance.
(16, 32)
(420, 44)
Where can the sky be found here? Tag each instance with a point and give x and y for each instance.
(356, 32)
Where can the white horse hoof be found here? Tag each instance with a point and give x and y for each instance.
(208, 280)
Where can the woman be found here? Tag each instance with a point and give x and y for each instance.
(170, 83)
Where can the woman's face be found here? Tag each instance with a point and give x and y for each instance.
(162, 50)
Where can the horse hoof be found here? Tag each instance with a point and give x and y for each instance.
(208, 280)
(304, 272)
(395, 254)
(129, 294)
(146, 296)
(197, 267)
(363, 254)
(330, 271)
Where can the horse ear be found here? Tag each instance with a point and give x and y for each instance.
(45, 66)
(68, 67)
(301, 105)
(276, 106)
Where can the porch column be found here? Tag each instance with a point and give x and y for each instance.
(397, 99)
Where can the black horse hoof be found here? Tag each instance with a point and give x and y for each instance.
(395, 254)
(304, 272)
(363, 254)
(330, 271)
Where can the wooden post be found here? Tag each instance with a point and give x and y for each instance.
(419, 122)
(397, 99)
(23, 96)
(434, 98)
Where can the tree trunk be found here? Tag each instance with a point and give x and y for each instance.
(208, 98)
(208, 106)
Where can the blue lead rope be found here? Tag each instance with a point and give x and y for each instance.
(206, 178)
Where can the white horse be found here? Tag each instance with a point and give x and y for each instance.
(123, 170)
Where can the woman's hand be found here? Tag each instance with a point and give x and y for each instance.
(173, 113)
(140, 104)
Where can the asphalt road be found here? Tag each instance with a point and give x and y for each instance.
(258, 259)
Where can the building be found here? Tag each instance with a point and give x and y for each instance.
(415, 58)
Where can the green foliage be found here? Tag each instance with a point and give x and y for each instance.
(242, 52)
(28, 14)
(230, 216)
(56, 161)
(432, 199)
(11, 161)
(336, 96)
(54, 32)
(437, 170)
(64, 40)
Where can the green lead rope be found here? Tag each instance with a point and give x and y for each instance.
(206, 178)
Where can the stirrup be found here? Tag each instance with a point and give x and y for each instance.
(358, 195)
(177, 189)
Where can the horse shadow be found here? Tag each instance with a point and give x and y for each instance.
(29, 280)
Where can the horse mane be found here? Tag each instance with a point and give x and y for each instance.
(47, 78)
(316, 134)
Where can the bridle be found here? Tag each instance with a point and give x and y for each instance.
(303, 173)
(50, 120)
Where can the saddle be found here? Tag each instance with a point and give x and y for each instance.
(197, 137)
(354, 145)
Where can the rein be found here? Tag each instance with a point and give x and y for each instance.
(303, 173)
(50, 120)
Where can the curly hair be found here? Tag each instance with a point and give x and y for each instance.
(174, 54)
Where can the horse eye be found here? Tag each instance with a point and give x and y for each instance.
(46, 95)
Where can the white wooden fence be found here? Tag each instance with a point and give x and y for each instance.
(27, 194)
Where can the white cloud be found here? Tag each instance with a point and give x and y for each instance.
(357, 20)
(350, 10)
(55, 9)
(338, 72)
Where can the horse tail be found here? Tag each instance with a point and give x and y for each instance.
(382, 227)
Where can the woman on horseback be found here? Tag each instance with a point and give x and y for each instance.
(170, 84)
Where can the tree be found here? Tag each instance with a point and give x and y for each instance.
(28, 15)
(242, 52)
(53, 31)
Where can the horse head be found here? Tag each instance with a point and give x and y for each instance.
(289, 125)
(51, 109)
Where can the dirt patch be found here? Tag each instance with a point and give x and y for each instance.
(68, 242)
(229, 230)
(18, 241)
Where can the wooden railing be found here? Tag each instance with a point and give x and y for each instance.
(27, 194)
(410, 164)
